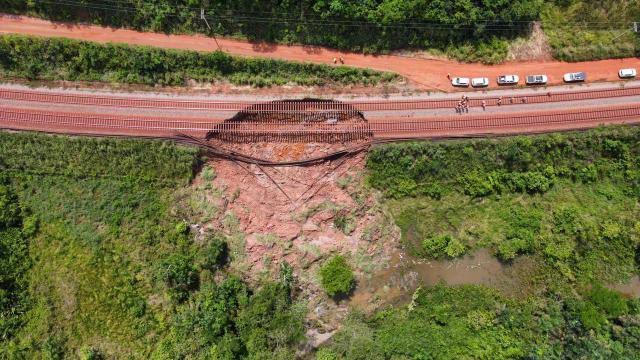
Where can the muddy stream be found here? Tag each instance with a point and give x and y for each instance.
(395, 284)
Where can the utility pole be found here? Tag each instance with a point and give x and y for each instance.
(636, 28)
(204, 18)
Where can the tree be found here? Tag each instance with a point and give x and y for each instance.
(9, 209)
(215, 255)
(178, 274)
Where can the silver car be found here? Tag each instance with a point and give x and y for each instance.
(627, 73)
(480, 82)
(536, 79)
(460, 82)
(575, 77)
(508, 79)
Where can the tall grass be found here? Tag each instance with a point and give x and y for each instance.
(38, 58)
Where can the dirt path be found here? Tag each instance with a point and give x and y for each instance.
(427, 73)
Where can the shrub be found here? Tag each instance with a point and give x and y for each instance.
(590, 317)
(345, 223)
(588, 174)
(215, 254)
(209, 173)
(326, 354)
(455, 248)
(182, 227)
(268, 322)
(9, 211)
(178, 274)
(432, 190)
(560, 248)
(480, 168)
(475, 185)
(435, 246)
(608, 301)
(510, 248)
(536, 182)
(90, 353)
(30, 225)
(444, 245)
(337, 276)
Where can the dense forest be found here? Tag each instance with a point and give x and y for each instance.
(463, 29)
(355, 25)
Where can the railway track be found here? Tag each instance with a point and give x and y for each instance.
(48, 97)
(390, 128)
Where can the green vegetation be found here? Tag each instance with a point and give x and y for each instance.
(37, 58)
(524, 165)
(14, 261)
(337, 277)
(96, 262)
(566, 199)
(469, 322)
(559, 210)
(473, 31)
(469, 31)
(591, 30)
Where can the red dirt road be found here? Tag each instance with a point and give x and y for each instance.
(426, 73)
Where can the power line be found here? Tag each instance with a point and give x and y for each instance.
(197, 9)
(240, 18)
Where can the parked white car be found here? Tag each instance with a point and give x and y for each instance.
(536, 79)
(508, 79)
(575, 77)
(480, 82)
(460, 81)
(627, 73)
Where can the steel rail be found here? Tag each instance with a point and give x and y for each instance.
(306, 106)
(416, 127)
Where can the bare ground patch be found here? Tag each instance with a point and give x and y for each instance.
(534, 48)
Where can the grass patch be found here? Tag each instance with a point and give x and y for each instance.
(569, 202)
(591, 30)
(569, 199)
(469, 322)
(111, 269)
(583, 231)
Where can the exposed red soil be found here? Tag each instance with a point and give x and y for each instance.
(289, 214)
(427, 73)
